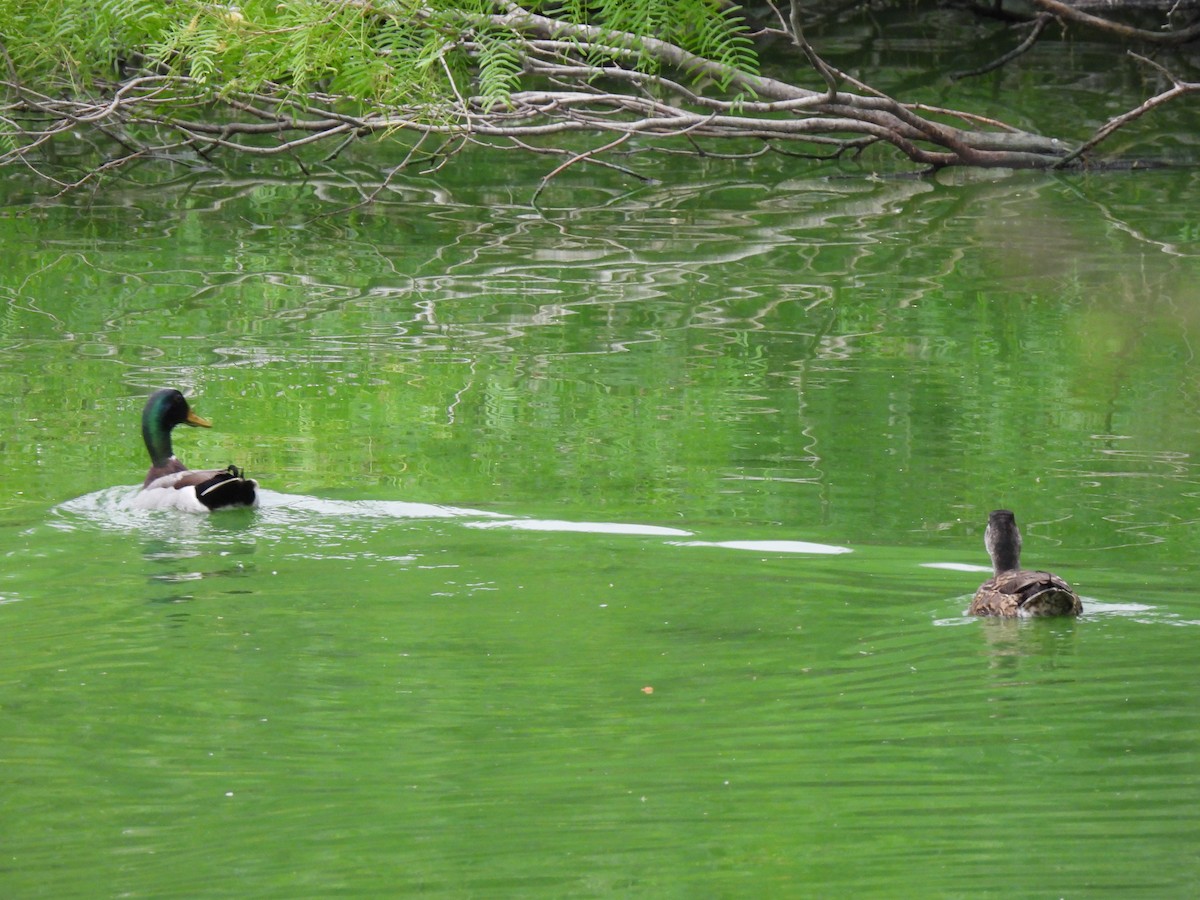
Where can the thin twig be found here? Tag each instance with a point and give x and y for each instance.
(1178, 89)
(827, 73)
(578, 157)
(1071, 14)
(1039, 25)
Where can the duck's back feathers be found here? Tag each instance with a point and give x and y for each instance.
(199, 490)
(171, 466)
(1025, 593)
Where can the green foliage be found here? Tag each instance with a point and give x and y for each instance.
(408, 60)
(385, 53)
(58, 36)
(500, 65)
(722, 38)
(192, 45)
(707, 28)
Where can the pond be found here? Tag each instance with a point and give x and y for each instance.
(617, 547)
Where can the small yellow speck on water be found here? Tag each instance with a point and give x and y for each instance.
(647, 690)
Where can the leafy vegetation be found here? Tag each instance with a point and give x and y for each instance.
(191, 82)
(375, 52)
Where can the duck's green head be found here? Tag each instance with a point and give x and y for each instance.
(163, 411)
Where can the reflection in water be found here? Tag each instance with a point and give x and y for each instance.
(450, 697)
(824, 338)
(176, 565)
(1008, 644)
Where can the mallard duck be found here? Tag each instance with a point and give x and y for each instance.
(170, 484)
(1014, 591)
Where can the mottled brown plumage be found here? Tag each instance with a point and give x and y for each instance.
(1014, 591)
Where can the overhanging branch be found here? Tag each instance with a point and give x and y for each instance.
(574, 79)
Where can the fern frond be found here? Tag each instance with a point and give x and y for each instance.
(500, 66)
(722, 39)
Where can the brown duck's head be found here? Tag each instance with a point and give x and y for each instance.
(1003, 541)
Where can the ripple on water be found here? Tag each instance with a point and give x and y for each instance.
(284, 516)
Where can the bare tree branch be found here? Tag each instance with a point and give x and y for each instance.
(578, 157)
(1040, 21)
(1128, 32)
(587, 83)
(1178, 89)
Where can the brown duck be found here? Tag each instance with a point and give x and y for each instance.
(1014, 591)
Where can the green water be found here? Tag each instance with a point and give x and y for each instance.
(538, 602)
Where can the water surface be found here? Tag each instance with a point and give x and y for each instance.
(613, 548)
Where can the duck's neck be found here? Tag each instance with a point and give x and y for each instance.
(1003, 541)
(158, 440)
(1006, 557)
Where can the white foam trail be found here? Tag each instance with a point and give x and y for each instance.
(381, 509)
(586, 527)
(957, 567)
(769, 546)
